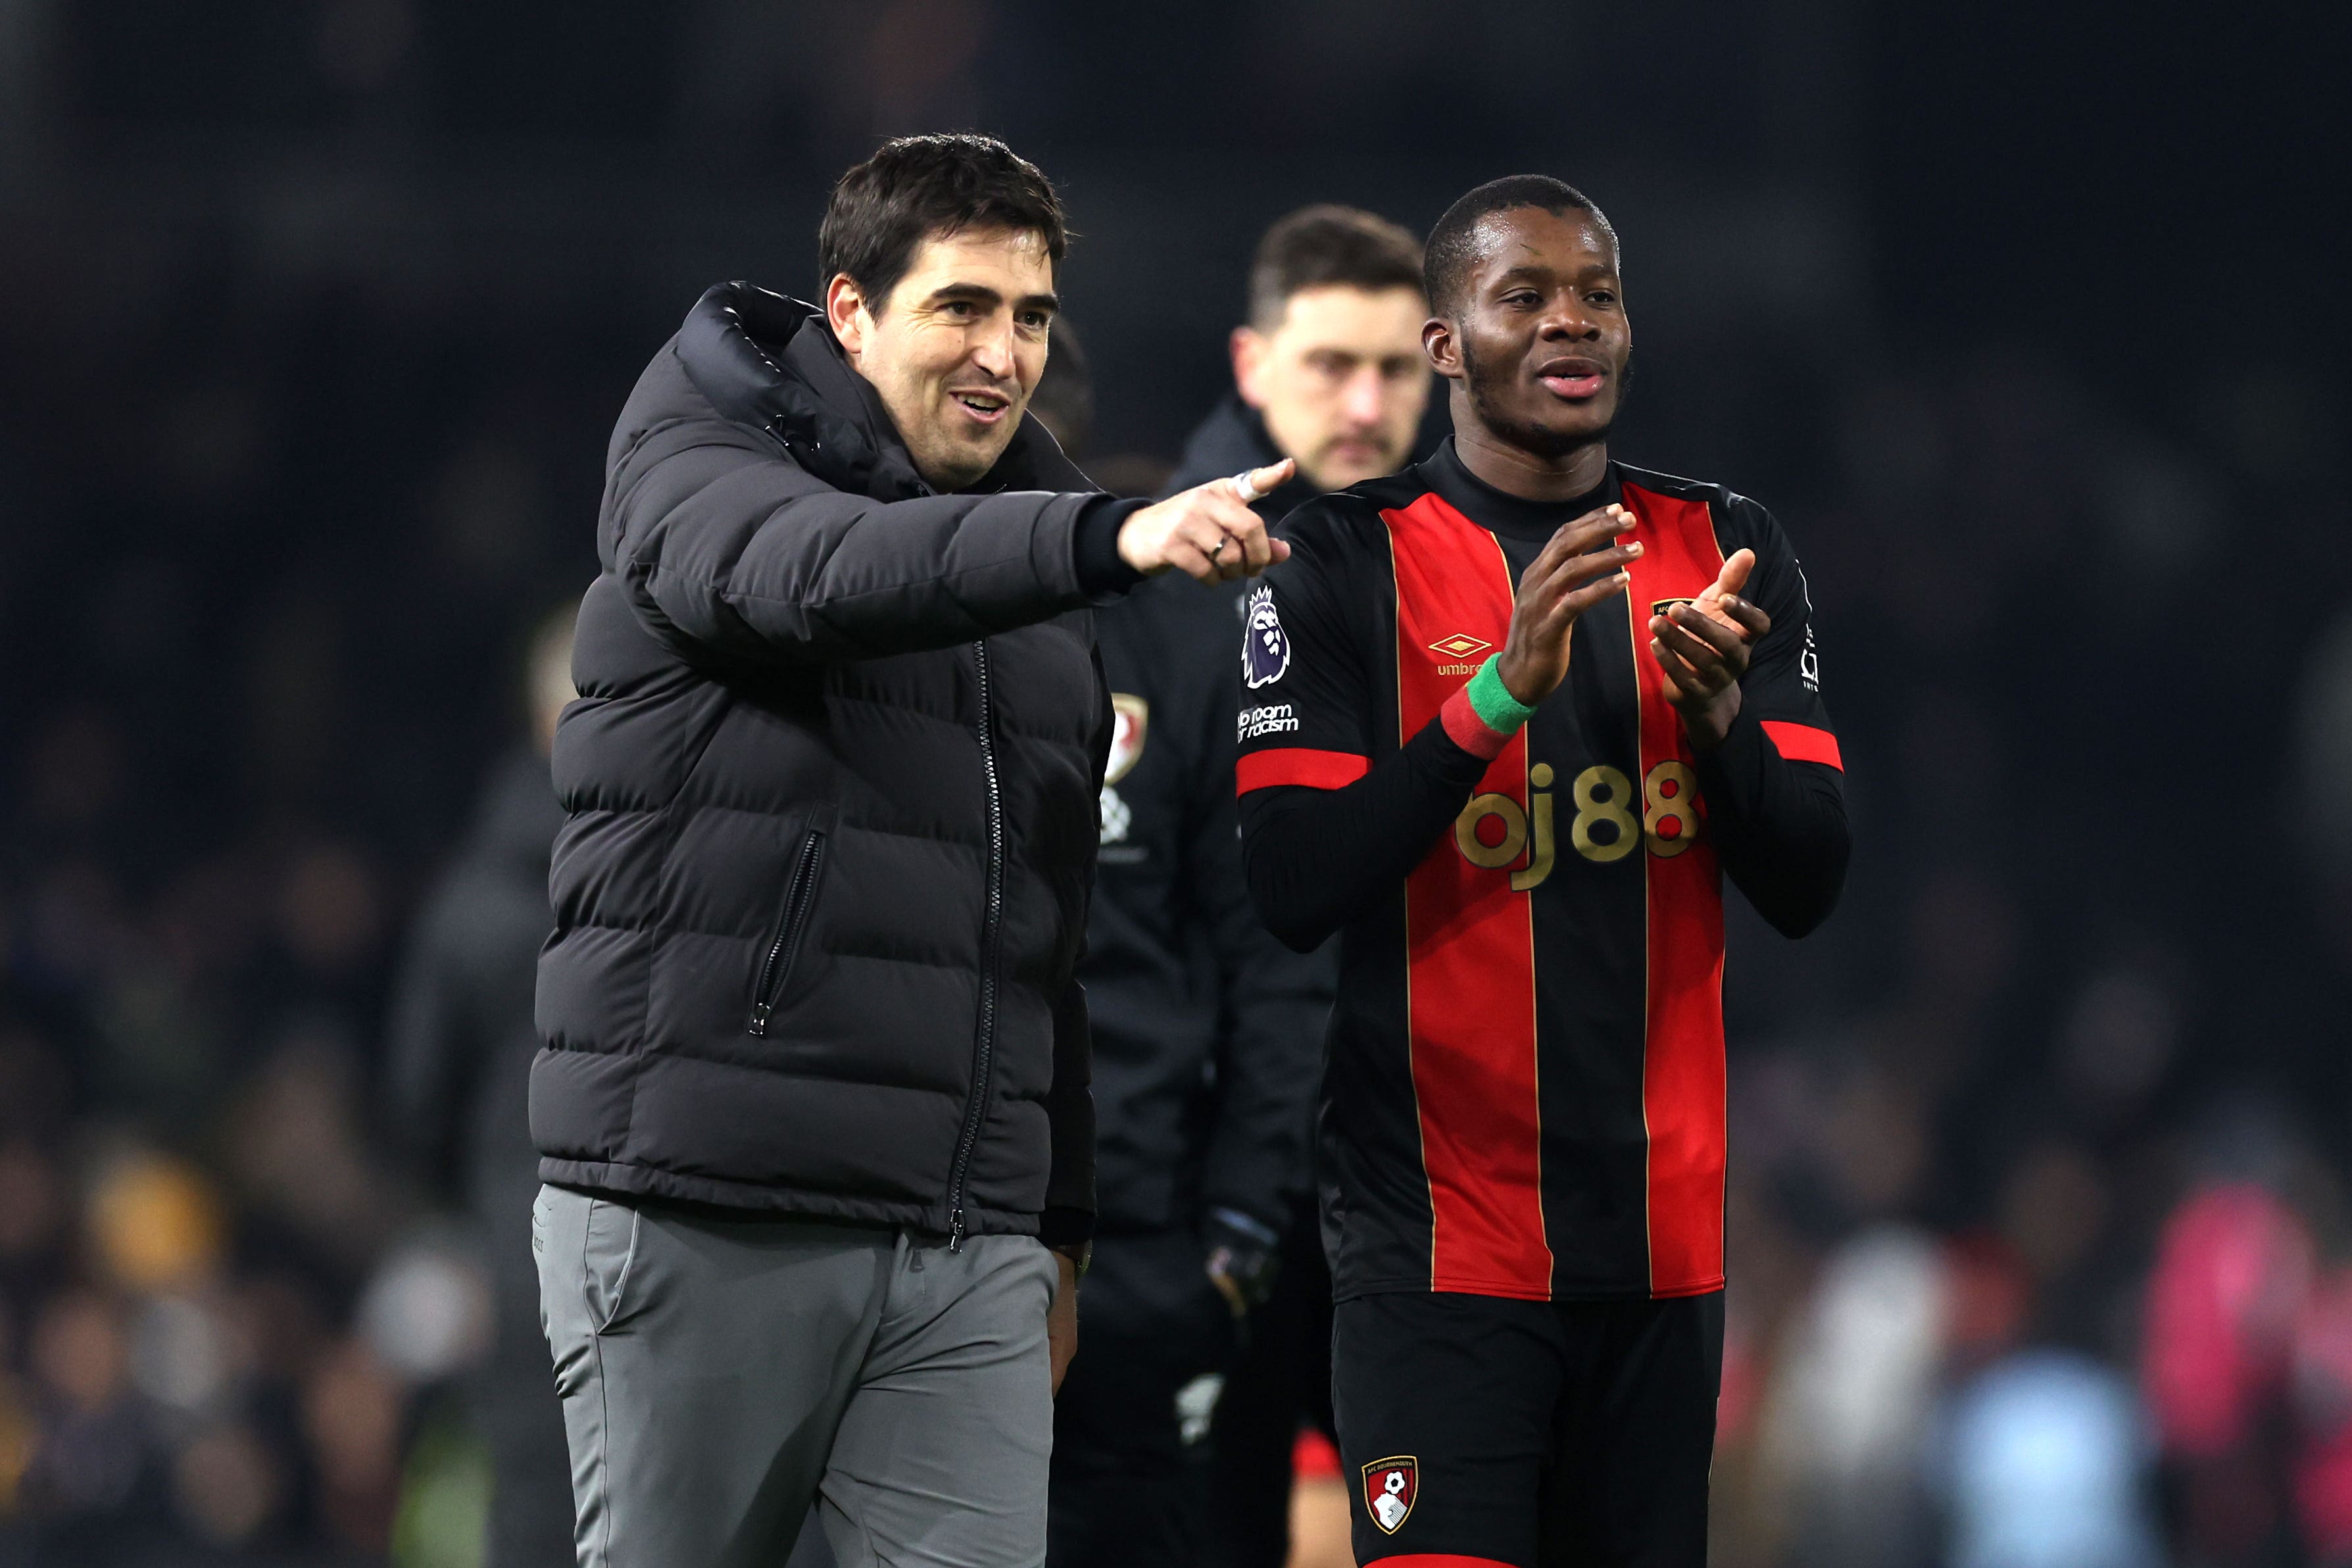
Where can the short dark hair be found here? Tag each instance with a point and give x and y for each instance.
(1328, 245)
(1450, 255)
(916, 188)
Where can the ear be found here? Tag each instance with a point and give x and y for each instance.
(1251, 351)
(1444, 349)
(846, 313)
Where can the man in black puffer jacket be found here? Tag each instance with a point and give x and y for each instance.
(814, 1087)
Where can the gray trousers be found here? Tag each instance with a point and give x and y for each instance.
(722, 1376)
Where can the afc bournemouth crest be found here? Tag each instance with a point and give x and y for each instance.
(1130, 716)
(1390, 1487)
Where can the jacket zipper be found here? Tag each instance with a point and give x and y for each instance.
(800, 896)
(983, 1047)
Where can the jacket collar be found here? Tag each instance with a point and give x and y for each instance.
(769, 362)
(1231, 440)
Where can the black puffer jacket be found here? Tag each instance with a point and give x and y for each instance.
(831, 784)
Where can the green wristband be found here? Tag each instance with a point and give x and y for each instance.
(1493, 702)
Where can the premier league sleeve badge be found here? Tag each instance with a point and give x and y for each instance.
(1265, 646)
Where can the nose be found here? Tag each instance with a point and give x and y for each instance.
(991, 349)
(1364, 397)
(1569, 322)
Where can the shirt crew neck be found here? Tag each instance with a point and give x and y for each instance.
(1501, 511)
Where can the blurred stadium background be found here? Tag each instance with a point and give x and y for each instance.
(2028, 318)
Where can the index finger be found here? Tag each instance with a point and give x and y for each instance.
(1577, 536)
(1272, 478)
(1601, 523)
(1697, 624)
(1749, 614)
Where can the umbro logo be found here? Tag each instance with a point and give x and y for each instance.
(1460, 644)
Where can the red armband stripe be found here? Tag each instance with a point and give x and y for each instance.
(1803, 743)
(1298, 765)
(1469, 731)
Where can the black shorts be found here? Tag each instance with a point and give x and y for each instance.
(1536, 1434)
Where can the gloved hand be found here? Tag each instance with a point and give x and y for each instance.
(1243, 1256)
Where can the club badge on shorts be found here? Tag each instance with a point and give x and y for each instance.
(1390, 1487)
(1265, 646)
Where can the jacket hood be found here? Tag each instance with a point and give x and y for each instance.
(770, 361)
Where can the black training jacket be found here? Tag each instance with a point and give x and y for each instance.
(1208, 1034)
(1232, 440)
(831, 784)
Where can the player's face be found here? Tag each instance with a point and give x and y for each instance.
(1341, 381)
(956, 347)
(1541, 342)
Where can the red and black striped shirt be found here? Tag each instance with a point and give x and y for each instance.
(1523, 1091)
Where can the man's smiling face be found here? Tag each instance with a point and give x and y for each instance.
(956, 348)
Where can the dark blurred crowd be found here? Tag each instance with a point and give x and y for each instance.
(2040, 1242)
(2041, 1250)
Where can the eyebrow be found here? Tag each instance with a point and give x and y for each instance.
(1529, 271)
(981, 294)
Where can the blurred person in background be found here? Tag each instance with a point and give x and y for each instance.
(1853, 1401)
(1328, 368)
(2230, 1290)
(2047, 1467)
(1524, 1100)
(1329, 372)
(461, 1045)
(813, 1107)
(1206, 1035)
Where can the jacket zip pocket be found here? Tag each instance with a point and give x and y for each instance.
(983, 1048)
(800, 896)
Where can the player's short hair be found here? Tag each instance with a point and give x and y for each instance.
(1328, 245)
(1451, 255)
(916, 188)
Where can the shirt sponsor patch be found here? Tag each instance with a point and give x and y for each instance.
(1273, 720)
(1265, 646)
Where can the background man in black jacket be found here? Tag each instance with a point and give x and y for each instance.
(814, 1085)
(1207, 1041)
(461, 1044)
(1208, 1035)
(1328, 368)
(1329, 371)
